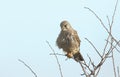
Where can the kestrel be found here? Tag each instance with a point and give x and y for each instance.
(69, 41)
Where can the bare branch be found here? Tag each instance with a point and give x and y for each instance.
(56, 58)
(113, 64)
(94, 47)
(118, 71)
(106, 45)
(117, 41)
(57, 54)
(114, 13)
(103, 23)
(108, 21)
(97, 71)
(85, 73)
(114, 46)
(98, 18)
(91, 61)
(28, 67)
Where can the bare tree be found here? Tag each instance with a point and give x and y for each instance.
(111, 45)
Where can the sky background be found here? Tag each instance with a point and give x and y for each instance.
(25, 25)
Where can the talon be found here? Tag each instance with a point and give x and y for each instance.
(69, 55)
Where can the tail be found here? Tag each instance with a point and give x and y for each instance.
(78, 57)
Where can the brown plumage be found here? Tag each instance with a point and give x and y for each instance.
(69, 41)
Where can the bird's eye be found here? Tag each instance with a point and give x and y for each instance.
(65, 26)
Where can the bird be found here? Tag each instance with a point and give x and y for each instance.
(68, 40)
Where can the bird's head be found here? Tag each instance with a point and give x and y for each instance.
(65, 25)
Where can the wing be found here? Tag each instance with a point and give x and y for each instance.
(76, 37)
(58, 41)
(62, 39)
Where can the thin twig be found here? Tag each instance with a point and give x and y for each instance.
(85, 73)
(88, 66)
(57, 54)
(118, 71)
(114, 13)
(97, 18)
(106, 45)
(56, 58)
(109, 41)
(94, 47)
(117, 41)
(28, 67)
(113, 64)
(115, 46)
(103, 23)
(91, 61)
(108, 21)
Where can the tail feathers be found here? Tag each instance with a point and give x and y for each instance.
(78, 57)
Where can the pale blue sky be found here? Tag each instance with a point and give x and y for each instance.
(25, 25)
